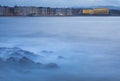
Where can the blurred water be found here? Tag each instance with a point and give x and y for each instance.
(90, 46)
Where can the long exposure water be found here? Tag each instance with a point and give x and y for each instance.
(85, 48)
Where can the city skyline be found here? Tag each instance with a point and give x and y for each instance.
(61, 3)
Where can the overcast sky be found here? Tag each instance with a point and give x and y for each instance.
(61, 3)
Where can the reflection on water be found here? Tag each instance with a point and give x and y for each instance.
(85, 48)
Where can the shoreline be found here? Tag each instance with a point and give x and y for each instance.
(69, 16)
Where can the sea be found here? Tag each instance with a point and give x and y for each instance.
(85, 48)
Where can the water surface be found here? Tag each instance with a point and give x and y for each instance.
(89, 46)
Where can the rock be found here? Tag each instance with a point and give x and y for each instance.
(39, 65)
(1, 62)
(12, 60)
(16, 52)
(60, 57)
(45, 51)
(51, 65)
(26, 62)
(18, 59)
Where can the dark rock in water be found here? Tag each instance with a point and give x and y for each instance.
(1, 62)
(51, 65)
(18, 59)
(26, 62)
(60, 57)
(39, 64)
(16, 52)
(16, 55)
(11, 61)
(45, 51)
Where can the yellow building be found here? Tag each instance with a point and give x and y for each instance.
(101, 11)
(87, 11)
(96, 11)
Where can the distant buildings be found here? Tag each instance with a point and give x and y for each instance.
(47, 11)
(96, 11)
(88, 11)
(76, 11)
(101, 11)
(69, 11)
(114, 12)
(6, 11)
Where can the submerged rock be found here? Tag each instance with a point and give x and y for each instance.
(26, 61)
(16, 58)
(46, 51)
(39, 65)
(1, 62)
(51, 65)
(12, 60)
(60, 57)
(16, 52)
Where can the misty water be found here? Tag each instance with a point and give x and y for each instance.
(85, 48)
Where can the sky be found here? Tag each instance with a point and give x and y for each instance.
(61, 3)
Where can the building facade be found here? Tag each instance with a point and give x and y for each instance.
(88, 11)
(101, 11)
(47, 11)
(96, 11)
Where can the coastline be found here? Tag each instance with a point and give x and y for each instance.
(69, 16)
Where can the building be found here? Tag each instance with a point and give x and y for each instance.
(44, 11)
(101, 11)
(5, 11)
(18, 11)
(88, 11)
(60, 12)
(114, 12)
(32, 11)
(40, 11)
(11, 11)
(50, 11)
(96, 11)
(69, 12)
(76, 11)
(24, 11)
(47, 11)
(1, 11)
